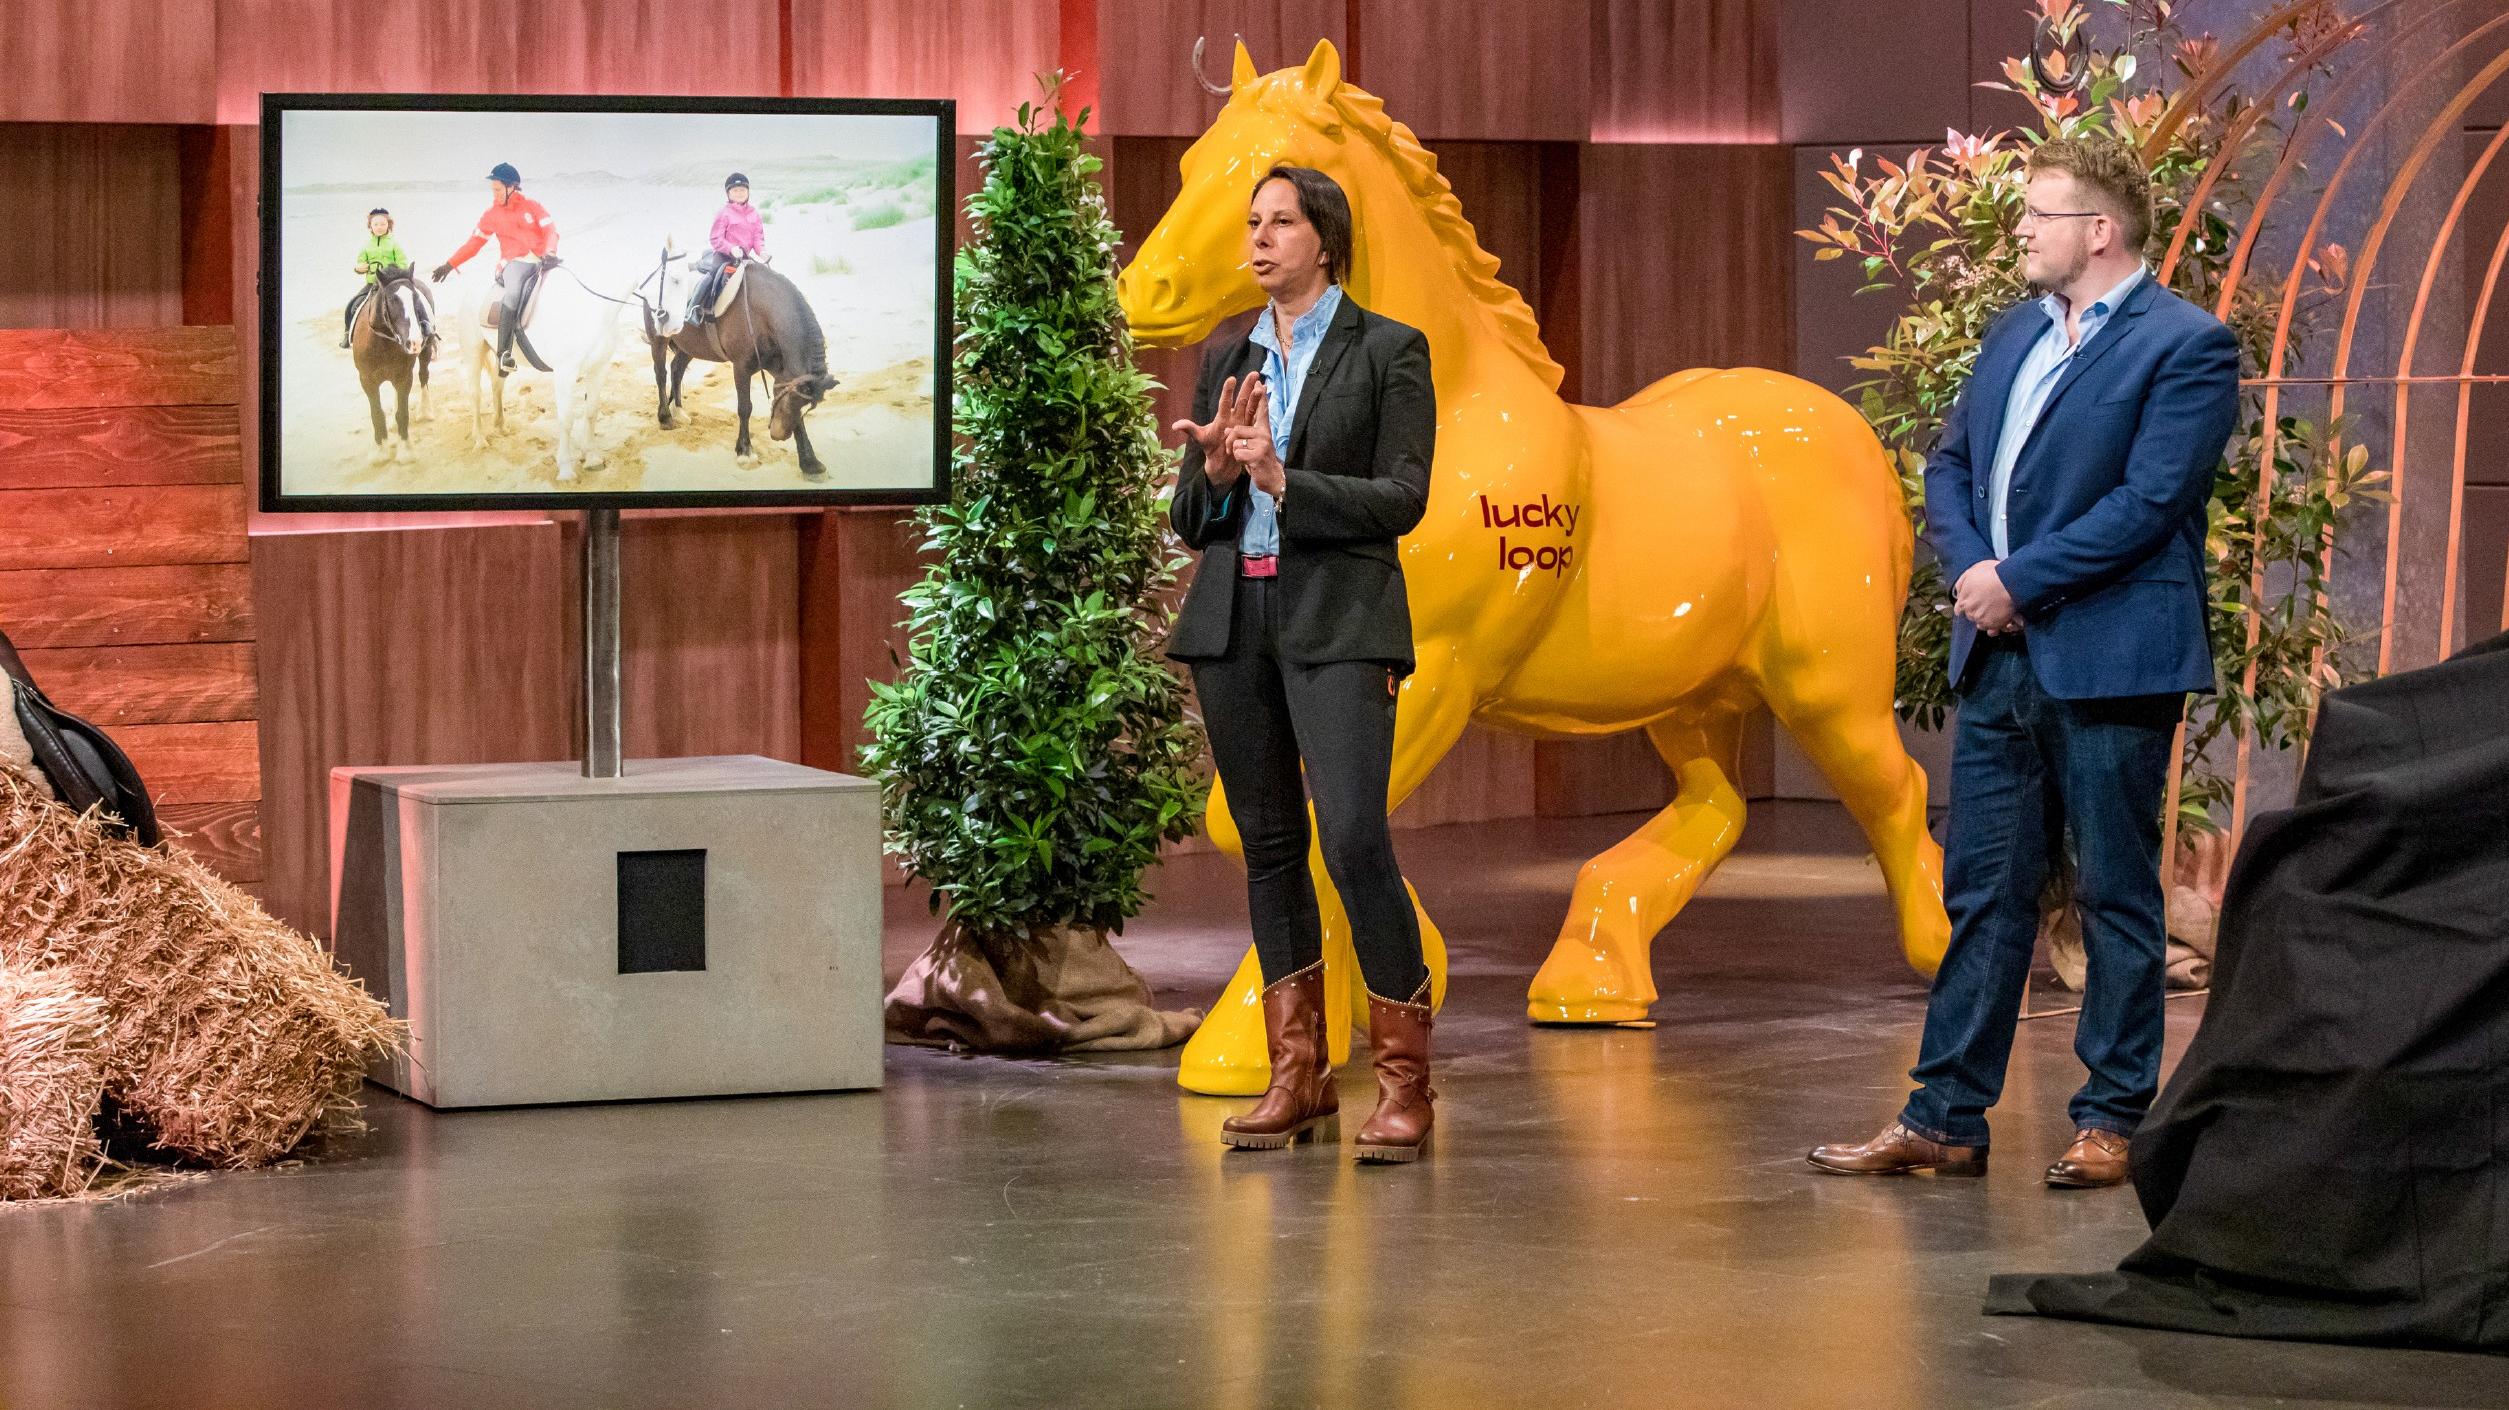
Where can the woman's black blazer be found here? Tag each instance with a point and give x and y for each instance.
(1359, 453)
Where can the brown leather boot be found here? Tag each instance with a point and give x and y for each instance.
(1899, 1151)
(2095, 1160)
(1398, 1038)
(1301, 1103)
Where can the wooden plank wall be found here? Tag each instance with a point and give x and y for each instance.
(87, 221)
(1145, 47)
(1626, 159)
(984, 53)
(1515, 100)
(100, 61)
(123, 556)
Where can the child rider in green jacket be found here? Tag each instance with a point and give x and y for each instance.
(381, 251)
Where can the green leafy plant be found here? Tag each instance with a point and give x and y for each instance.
(1035, 753)
(1937, 232)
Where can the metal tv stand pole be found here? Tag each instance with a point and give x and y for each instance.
(601, 643)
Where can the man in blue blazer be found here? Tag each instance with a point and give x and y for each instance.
(2066, 501)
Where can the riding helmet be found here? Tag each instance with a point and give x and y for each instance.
(735, 179)
(505, 172)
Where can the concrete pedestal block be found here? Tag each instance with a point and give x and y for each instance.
(700, 927)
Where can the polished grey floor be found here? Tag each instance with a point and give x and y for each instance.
(1612, 1218)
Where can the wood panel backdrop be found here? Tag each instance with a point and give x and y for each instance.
(1635, 164)
(123, 575)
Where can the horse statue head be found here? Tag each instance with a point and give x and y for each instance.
(1415, 258)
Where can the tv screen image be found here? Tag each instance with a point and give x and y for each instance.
(600, 218)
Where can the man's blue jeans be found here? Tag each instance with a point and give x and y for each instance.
(2028, 771)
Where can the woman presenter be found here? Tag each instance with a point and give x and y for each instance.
(1307, 459)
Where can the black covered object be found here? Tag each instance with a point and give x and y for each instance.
(2331, 1160)
(81, 762)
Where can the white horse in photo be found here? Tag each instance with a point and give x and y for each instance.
(575, 329)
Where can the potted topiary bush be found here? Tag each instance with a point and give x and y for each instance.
(1035, 752)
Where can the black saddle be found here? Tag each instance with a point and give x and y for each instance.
(81, 762)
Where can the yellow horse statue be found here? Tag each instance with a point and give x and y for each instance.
(1722, 539)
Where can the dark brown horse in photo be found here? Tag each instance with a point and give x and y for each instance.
(768, 327)
(391, 342)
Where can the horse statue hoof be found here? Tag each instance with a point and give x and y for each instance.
(1226, 1057)
(1586, 1014)
(401, 453)
(814, 468)
(1582, 982)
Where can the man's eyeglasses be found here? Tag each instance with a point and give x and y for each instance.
(2034, 215)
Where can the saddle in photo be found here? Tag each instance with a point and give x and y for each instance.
(730, 288)
(536, 281)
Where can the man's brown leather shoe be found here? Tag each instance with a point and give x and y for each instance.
(1899, 1151)
(2096, 1159)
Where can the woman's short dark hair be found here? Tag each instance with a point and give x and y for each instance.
(1321, 201)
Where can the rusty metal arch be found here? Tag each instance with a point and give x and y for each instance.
(2361, 39)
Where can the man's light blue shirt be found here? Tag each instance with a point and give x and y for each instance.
(2034, 384)
(1287, 377)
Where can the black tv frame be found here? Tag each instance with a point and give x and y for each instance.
(944, 113)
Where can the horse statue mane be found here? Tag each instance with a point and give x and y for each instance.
(1316, 92)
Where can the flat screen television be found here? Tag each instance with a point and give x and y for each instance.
(601, 219)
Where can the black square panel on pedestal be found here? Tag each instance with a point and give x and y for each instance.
(662, 911)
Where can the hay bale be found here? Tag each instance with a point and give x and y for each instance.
(228, 1036)
(52, 1081)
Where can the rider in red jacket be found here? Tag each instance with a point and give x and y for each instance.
(526, 238)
